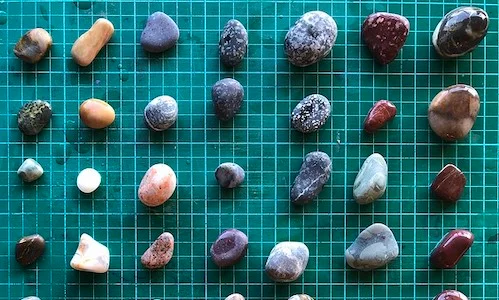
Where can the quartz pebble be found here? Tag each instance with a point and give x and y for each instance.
(451, 248)
(96, 114)
(235, 296)
(373, 248)
(460, 31)
(450, 295)
(381, 113)
(33, 45)
(370, 183)
(229, 248)
(453, 112)
(233, 43)
(159, 253)
(31, 298)
(300, 297)
(88, 180)
(287, 261)
(91, 256)
(29, 249)
(161, 113)
(34, 116)
(310, 39)
(88, 45)
(160, 34)
(314, 173)
(229, 175)
(157, 185)
(449, 184)
(30, 170)
(311, 113)
(227, 95)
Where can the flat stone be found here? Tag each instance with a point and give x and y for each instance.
(227, 95)
(314, 173)
(29, 249)
(233, 43)
(88, 180)
(300, 297)
(370, 183)
(91, 256)
(160, 34)
(311, 113)
(287, 261)
(34, 116)
(30, 170)
(161, 113)
(159, 253)
(229, 248)
(157, 185)
(450, 295)
(449, 184)
(235, 296)
(451, 249)
(33, 45)
(229, 175)
(381, 113)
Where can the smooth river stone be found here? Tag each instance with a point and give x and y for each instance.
(160, 34)
(229, 175)
(233, 43)
(88, 180)
(300, 297)
(91, 256)
(29, 249)
(235, 296)
(311, 113)
(34, 116)
(381, 113)
(451, 248)
(229, 248)
(450, 295)
(96, 114)
(157, 185)
(161, 113)
(287, 261)
(30, 170)
(449, 184)
(314, 173)
(227, 96)
(33, 45)
(370, 183)
(159, 253)
(89, 44)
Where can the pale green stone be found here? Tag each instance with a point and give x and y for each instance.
(370, 183)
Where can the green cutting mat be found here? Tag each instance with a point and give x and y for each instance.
(259, 139)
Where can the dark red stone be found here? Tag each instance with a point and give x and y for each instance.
(450, 295)
(382, 112)
(29, 249)
(384, 35)
(449, 184)
(451, 248)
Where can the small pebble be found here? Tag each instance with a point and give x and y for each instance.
(229, 248)
(449, 184)
(453, 112)
(31, 298)
(311, 113)
(30, 170)
(157, 185)
(370, 183)
(451, 248)
(160, 34)
(88, 45)
(159, 253)
(460, 31)
(91, 256)
(450, 295)
(314, 173)
(33, 45)
(381, 113)
(287, 261)
(300, 297)
(88, 180)
(34, 116)
(96, 114)
(310, 39)
(233, 43)
(235, 296)
(373, 248)
(29, 249)
(227, 95)
(229, 175)
(161, 113)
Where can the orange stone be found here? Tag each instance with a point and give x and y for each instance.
(96, 114)
(158, 185)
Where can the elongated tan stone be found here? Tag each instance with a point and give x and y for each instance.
(88, 45)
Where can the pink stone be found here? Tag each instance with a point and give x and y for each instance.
(158, 185)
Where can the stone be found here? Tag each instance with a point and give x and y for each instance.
(314, 173)
(161, 113)
(311, 113)
(453, 111)
(450, 295)
(159, 253)
(96, 114)
(89, 44)
(300, 297)
(460, 31)
(287, 261)
(374, 248)
(233, 43)
(310, 39)
(30, 170)
(88, 180)
(451, 248)
(381, 113)
(29, 249)
(34, 116)
(31, 298)
(229, 175)
(33, 45)
(384, 35)
(370, 183)
(91, 256)
(229, 248)
(227, 95)
(157, 185)
(160, 34)
(235, 296)
(449, 184)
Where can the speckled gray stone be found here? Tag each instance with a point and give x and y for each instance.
(30, 170)
(311, 113)
(233, 43)
(161, 113)
(300, 297)
(160, 34)
(314, 173)
(370, 183)
(373, 248)
(227, 95)
(229, 248)
(34, 116)
(229, 175)
(287, 261)
(311, 38)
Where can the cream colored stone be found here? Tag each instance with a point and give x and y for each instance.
(88, 45)
(91, 256)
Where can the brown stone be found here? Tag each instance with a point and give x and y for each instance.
(451, 249)
(382, 112)
(449, 184)
(33, 45)
(159, 253)
(96, 114)
(29, 249)
(88, 45)
(450, 295)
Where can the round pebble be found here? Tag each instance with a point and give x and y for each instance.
(33, 45)
(96, 114)
(233, 43)
(370, 183)
(160, 34)
(227, 95)
(229, 248)
(30, 170)
(287, 261)
(34, 116)
(157, 185)
(159, 253)
(314, 173)
(311, 113)
(229, 175)
(161, 113)
(88, 180)
(29, 249)
(235, 296)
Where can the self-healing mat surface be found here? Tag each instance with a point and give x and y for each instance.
(259, 139)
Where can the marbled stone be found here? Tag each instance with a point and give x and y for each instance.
(88, 180)
(450, 295)
(29, 249)
(381, 113)
(30, 170)
(300, 297)
(287, 261)
(449, 184)
(311, 113)
(314, 173)
(233, 43)
(159, 253)
(161, 113)
(157, 185)
(33, 45)
(91, 256)
(89, 44)
(160, 34)
(370, 183)
(227, 95)
(451, 248)
(229, 175)
(96, 114)
(34, 116)
(235, 296)
(229, 248)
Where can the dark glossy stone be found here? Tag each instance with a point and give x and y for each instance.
(287, 261)
(229, 175)
(311, 113)
(449, 184)
(33, 45)
(381, 113)
(385, 34)
(233, 43)
(159, 253)
(29, 249)
(34, 116)
(229, 248)
(451, 249)
(160, 34)
(450, 295)
(161, 113)
(314, 173)
(227, 95)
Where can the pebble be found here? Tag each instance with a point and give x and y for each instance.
(373, 248)
(460, 31)
(91, 256)
(300, 297)
(29, 249)
(31, 298)
(161, 113)
(310, 39)
(235, 296)
(314, 173)
(229, 175)
(449, 184)
(287, 261)
(34, 116)
(450, 295)
(30, 170)
(159, 253)
(88, 180)
(229, 248)
(370, 183)
(96, 114)
(385, 34)
(233, 43)
(451, 248)
(157, 185)
(160, 34)
(453, 112)
(88, 45)
(33, 45)
(381, 113)
(311, 113)
(227, 95)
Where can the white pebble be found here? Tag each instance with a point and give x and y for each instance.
(88, 180)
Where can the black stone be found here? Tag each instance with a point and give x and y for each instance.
(29, 249)
(229, 175)
(233, 43)
(227, 95)
(34, 116)
(314, 173)
(229, 248)
(311, 113)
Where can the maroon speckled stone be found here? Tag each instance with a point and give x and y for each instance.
(451, 248)
(382, 112)
(450, 295)
(229, 248)
(449, 184)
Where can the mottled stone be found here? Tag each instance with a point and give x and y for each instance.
(229, 248)
(310, 39)
(381, 113)
(229, 175)
(311, 113)
(157, 185)
(235, 296)
(227, 95)
(96, 114)
(29, 249)
(451, 248)
(314, 173)
(450, 295)
(159, 253)
(460, 31)
(233, 43)
(300, 297)
(91, 256)
(33, 45)
(30, 170)
(160, 34)
(370, 183)
(449, 184)
(88, 180)
(287, 261)
(161, 113)
(89, 44)
(34, 116)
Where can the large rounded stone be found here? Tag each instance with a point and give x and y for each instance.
(160, 34)
(287, 261)
(157, 185)
(161, 113)
(229, 248)
(227, 95)
(311, 113)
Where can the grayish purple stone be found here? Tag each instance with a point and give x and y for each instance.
(227, 95)
(160, 34)
(233, 43)
(314, 173)
(311, 113)
(229, 248)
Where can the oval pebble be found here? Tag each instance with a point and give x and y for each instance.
(314, 173)
(370, 183)
(30, 170)
(233, 43)
(34, 116)
(88, 180)
(235, 296)
(311, 113)
(96, 114)
(287, 261)
(159, 253)
(229, 175)
(229, 248)
(160, 34)
(161, 113)
(227, 95)
(33, 45)
(451, 249)
(29, 249)
(157, 185)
